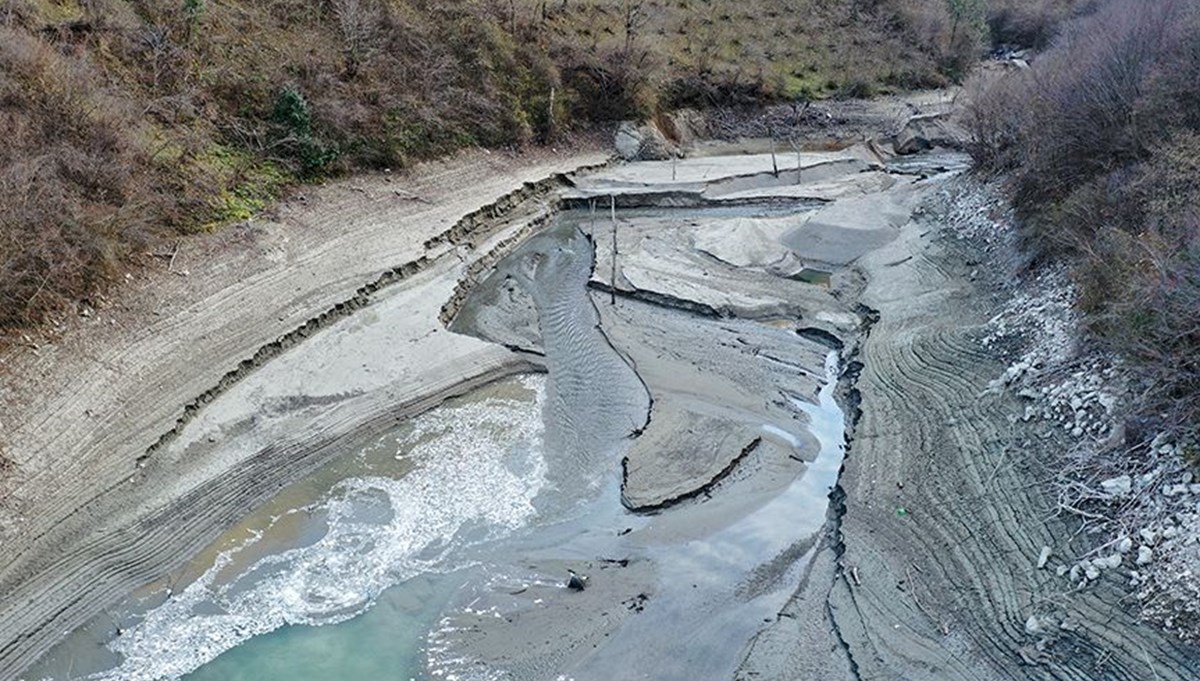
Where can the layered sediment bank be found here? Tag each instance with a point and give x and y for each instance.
(715, 332)
(116, 482)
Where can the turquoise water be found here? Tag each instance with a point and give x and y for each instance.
(385, 642)
(303, 587)
(353, 572)
(237, 620)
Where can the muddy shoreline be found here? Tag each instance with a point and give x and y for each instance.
(924, 562)
(930, 565)
(144, 509)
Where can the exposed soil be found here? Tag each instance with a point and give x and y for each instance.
(93, 512)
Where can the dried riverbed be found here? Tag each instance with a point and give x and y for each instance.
(659, 371)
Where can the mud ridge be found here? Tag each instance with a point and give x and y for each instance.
(851, 400)
(469, 225)
(692, 494)
(685, 199)
(659, 299)
(482, 266)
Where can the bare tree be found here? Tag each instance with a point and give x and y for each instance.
(359, 22)
(635, 17)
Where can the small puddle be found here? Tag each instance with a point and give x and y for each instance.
(815, 277)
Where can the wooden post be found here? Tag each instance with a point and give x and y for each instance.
(796, 146)
(774, 165)
(612, 281)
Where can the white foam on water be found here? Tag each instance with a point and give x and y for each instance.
(479, 467)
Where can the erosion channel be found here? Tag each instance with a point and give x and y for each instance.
(653, 380)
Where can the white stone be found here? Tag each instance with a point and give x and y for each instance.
(1124, 545)
(1174, 490)
(1033, 626)
(1149, 535)
(1119, 486)
(1145, 555)
(1043, 557)
(1110, 562)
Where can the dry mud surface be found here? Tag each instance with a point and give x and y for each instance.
(931, 566)
(108, 496)
(697, 333)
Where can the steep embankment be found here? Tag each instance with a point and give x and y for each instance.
(95, 479)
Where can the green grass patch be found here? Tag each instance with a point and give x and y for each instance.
(249, 184)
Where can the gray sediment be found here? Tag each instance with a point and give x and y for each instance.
(681, 351)
(131, 542)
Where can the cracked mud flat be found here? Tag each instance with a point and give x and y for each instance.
(681, 452)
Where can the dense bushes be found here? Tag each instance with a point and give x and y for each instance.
(1102, 140)
(1026, 23)
(129, 121)
(73, 201)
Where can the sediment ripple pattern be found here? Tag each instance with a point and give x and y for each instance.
(944, 515)
(595, 399)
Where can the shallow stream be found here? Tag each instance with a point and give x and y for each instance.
(359, 570)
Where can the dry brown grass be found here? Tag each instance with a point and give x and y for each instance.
(130, 121)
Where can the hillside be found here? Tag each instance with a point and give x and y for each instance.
(1097, 142)
(131, 122)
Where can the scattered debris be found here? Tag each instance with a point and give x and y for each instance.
(1143, 501)
(576, 582)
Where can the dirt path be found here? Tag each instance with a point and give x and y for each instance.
(84, 519)
(931, 568)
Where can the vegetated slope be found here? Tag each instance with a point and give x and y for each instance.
(1101, 138)
(129, 121)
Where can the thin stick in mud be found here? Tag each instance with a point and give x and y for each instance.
(612, 211)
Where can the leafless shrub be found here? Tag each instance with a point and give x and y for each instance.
(1087, 107)
(1026, 23)
(360, 22)
(990, 119)
(954, 31)
(67, 182)
(1102, 139)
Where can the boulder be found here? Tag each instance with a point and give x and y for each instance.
(644, 142)
(909, 141)
(925, 131)
(1117, 487)
(685, 127)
